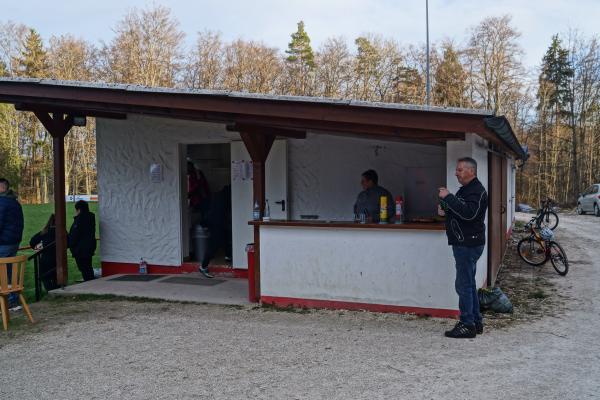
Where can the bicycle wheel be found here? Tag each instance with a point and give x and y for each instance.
(531, 251)
(549, 220)
(559, 260)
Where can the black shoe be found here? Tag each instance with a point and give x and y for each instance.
(204, 271)
(461, 331)
(479, 328)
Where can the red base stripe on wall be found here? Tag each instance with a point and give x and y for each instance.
(284, 302)
(113, 268)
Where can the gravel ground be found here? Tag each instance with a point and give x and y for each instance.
(82, 349)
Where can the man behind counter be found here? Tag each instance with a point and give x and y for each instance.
(368, 201)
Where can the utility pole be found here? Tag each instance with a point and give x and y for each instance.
(428, 84)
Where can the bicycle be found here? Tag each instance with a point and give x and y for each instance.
(546, 217)
(538, 248)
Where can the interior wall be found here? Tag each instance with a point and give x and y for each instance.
(139, 218)
(214, 160)
(324, 174)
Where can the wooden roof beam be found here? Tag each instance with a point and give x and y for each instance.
(69, 111)
(267, 130)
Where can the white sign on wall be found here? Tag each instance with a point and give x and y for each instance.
(155, 173)
(241, 170)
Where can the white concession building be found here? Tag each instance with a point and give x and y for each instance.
(305, 156)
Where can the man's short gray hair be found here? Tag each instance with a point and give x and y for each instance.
(470, 162)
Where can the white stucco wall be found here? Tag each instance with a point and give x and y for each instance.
(139, 218)
(475, 147)
(324, 174)
(379, 266)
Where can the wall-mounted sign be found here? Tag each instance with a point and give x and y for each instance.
(241, 170)
(156, 173)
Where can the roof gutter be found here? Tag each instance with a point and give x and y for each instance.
(501, 127)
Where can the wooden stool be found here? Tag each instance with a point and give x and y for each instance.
(15, 285)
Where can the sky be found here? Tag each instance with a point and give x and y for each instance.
(272, 21)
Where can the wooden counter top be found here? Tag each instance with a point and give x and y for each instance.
(424, 226)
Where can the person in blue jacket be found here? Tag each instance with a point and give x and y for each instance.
(11, 226)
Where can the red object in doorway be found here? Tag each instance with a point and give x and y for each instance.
(251, 288)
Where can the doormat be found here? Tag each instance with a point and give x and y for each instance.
(193, 281)
(136, 278)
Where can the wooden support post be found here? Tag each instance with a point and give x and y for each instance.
(58, 126)
(258, 146)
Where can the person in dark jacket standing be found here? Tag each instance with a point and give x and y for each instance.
(11, 227)
(465, 228)
(368, 201)
(82, 239)
(216, 222)
(44, 240)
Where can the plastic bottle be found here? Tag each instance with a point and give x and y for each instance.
(256, 212)
(143, 266)
(383, 210)
(399, 207)
(267, 216)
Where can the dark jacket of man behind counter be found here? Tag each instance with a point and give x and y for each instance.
(368, 202)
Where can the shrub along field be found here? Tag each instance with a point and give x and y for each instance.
(36, 216)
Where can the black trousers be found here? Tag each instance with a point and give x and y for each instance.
(49, 278)
(215, 242)
(85, 266)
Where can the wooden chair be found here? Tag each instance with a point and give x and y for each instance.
(17, 265)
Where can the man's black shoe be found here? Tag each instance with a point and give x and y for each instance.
(461, 331)
(479, 327)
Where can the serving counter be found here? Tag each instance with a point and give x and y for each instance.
(380, 267)
(427, 226)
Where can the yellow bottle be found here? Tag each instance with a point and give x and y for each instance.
(383, 210)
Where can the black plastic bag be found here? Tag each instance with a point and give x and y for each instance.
(494, 299)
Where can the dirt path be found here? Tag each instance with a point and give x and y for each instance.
(117, 349)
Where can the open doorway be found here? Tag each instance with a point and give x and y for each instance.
(206, 214)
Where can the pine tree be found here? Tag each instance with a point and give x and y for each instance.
(33, 60)
(367, 59)
(450, 80)
(553, 112)
(300, 62)
(555, 76)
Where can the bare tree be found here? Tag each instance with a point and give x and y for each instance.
(75, 59)
(204, 67)
(12, 40)
(147, 49)
(252, 67)
(334, 68)
(495, 65)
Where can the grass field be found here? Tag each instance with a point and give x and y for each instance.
(36, 216)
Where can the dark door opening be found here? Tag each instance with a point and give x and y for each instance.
(208, 193)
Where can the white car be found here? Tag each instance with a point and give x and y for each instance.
(589, 201)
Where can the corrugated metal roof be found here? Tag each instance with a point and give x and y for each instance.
(247, 95)
(497, 124)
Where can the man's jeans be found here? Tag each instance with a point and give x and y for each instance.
(466, 288)
(10, 250)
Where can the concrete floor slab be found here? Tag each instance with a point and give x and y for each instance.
(230, 291)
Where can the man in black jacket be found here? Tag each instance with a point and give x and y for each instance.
(82, 239)
(465, 228)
